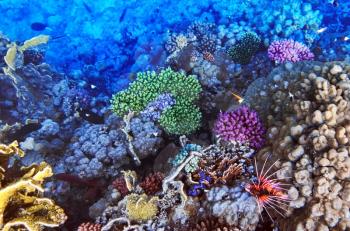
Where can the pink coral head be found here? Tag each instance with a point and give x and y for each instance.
(243, 125)
(289, 50)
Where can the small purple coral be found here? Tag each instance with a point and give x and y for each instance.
(155, 108)
(289, 50)
(243, 125)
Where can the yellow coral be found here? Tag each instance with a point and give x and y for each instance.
(141, 207)
(35, 41)
(5, 152)
(14, 55)
(11, 149)
(21, 202)
(10, 57)
(42, 212)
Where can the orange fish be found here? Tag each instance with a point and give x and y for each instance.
(238, 98)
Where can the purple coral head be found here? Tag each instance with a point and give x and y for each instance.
(289, 50)
(204, 182)
(243, 125)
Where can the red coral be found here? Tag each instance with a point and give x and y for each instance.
(120, 185)
(89, 227)
(152, 183)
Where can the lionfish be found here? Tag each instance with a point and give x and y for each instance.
(268, 191)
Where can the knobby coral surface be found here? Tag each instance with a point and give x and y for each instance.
(309, 135)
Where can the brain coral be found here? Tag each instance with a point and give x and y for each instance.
(242, 125)
(309, 129)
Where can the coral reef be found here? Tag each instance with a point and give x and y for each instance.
(196, 68)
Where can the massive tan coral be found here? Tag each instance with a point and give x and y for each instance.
(309, 130)
(21, 202)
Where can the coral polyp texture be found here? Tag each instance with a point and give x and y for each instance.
(141, 207)
(89, 227)
(183, 117)
(309, 136)
(21, 203)
(245, 48)
(152, 183)
(289, 51)
(242, 124)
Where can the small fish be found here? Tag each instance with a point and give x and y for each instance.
(132, 76)
(238, 98)
(346, 38)
(93, 86)
(57, 37)
(321, 30)
(87, 7)
(335, 3)
(122, 16)
(291, 96)
(38, 26)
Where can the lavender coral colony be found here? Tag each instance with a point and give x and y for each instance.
(136, 127)
(242, 125)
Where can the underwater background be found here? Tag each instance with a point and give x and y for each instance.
(217, 115)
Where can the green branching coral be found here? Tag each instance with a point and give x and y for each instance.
(245, 48)
(21, 201)
(182, 118)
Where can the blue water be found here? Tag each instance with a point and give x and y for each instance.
(104, 42)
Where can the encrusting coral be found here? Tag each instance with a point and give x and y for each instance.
(21, 201)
